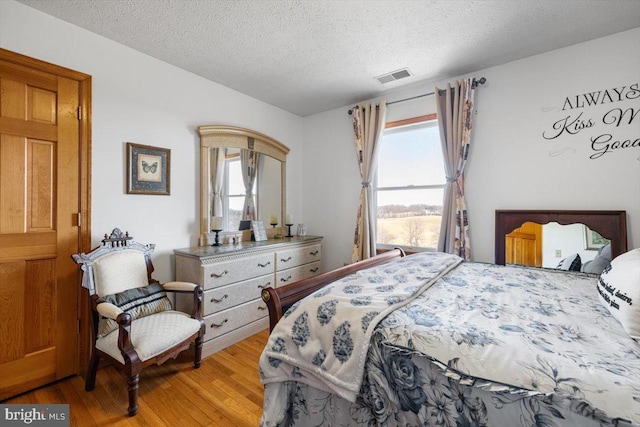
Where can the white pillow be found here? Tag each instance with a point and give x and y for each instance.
(619, 290)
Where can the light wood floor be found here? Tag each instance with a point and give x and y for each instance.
(225, 391)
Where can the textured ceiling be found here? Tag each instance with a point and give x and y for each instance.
(309, 56)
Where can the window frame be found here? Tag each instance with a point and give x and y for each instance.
(384, 247)
(226, 194)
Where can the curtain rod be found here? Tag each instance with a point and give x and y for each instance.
(474, 83)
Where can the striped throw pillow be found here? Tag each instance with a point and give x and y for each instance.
(138, 302)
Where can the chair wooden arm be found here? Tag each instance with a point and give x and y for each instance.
(108, 310)
(279, 299)
(179, 286)
(188, 288)
(124, 340)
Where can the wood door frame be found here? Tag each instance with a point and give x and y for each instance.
(84, 219)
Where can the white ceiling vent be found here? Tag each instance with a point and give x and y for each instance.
(393, 76)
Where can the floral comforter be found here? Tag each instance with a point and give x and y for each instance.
(485, 345)
(322, 340)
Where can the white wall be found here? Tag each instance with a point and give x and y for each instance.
(511, 166)
(139, 99)
(568, 240)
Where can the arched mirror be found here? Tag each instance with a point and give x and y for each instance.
(242, 178)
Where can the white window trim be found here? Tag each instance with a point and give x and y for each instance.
(400, 124)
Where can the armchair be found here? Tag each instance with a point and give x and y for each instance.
(133, 323)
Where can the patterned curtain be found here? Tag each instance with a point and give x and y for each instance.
(455, 114)
(368, 125)
(217, 177)
(249, 161)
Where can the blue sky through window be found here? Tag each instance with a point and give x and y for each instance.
(411, 155)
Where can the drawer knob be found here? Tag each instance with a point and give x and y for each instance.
(264, 265)
(314, 253)
(219, 275)
(266, 285)
(282, 279)
(313, 270)
(262, 307)
(217, 325)
(285, 260)
(219, 300)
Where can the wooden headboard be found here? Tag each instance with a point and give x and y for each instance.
(611, 225)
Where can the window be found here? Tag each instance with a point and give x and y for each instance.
(409, 185)
(234, 191)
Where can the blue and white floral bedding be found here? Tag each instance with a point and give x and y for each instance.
(322, 340)
(484, 345)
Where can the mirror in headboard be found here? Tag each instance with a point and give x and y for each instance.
(611, 225)
(232, 159)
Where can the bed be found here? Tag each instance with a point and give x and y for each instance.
(427, 339)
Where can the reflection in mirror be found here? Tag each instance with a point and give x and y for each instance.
(550, 244)
(610, 224)
(247, 196)
(242, 178)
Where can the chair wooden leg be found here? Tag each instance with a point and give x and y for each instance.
(90, 381)
(197, 356)
(132, 383)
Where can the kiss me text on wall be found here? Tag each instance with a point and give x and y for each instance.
(573, 124)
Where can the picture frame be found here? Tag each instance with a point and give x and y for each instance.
(148, 169)
(592, 240)
(259, 232)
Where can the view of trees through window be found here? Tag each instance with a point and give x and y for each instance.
(409, 186)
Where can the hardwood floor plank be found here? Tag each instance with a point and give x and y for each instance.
(238, 403)
(199, 397)
(225, 391)
(71, 389)
(240, 367)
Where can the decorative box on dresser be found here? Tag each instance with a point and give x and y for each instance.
(233, 277)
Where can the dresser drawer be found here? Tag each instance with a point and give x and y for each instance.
(226, 272)
(294, 274)
(226, 321)
(224, 297)
(294, 257)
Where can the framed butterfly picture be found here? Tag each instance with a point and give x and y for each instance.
(148, 169)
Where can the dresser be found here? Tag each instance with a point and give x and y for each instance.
(233, 277)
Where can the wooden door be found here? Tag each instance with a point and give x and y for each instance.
(40, 210)
(523, 246)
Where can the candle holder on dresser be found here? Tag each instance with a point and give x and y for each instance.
(289, 230)
(216, 241)
(273, 224)
(216, 227)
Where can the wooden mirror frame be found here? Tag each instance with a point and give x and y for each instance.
(216, 136)
(611, 225)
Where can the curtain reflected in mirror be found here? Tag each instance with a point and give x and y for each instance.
(217, 162)
(553, 245)
(249, 165)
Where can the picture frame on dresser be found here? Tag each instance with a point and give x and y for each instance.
(148, 170)
(259, 232)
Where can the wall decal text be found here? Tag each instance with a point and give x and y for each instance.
(580, 114)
